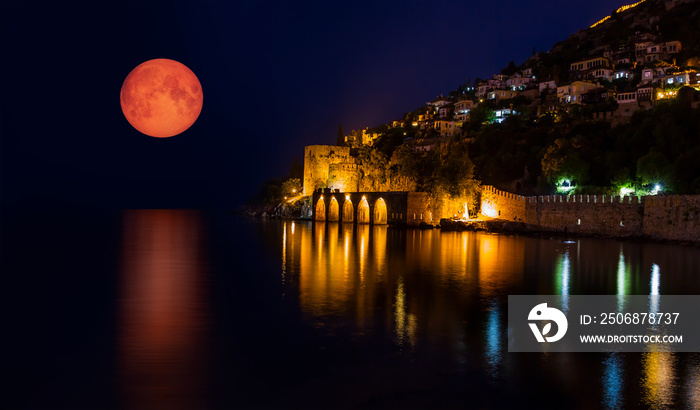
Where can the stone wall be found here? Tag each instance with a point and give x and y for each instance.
(419, 208)
(674, 217)
(344, 177)
(505, 205)
(317, 162)
(658, 217)
(588, 214)
(446, 206)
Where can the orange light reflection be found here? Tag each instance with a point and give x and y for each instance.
(161, 309)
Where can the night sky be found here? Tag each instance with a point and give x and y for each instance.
(276, 76)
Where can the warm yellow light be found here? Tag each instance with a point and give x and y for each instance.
(600, 21)
(489, 210)
(620, 10)
(629, 6)
(294, 191)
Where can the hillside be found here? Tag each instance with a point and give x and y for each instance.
(614, 109)
(666, 20)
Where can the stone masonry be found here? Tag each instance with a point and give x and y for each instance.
(674, 217)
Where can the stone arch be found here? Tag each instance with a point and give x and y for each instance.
(348, 211)
(363, 211)
(380, 216)
(334, 210)
(320, 210)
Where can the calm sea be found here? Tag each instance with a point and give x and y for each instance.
(182, 309)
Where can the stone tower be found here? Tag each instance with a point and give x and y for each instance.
(329, 166)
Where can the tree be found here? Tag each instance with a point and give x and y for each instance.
(562, 160)
(291, 187)
(374, 169)
(456, 173)
(340, 140)
(511, 69)
(654, 168)
(416, 165)
(481, 114)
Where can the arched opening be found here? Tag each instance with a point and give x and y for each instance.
(363, 212)
(334, 211)
(320, 210)
(348, 211)
(380, 212)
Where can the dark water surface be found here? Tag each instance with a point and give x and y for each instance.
(168, 309)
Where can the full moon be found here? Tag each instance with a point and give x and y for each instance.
(161, 98)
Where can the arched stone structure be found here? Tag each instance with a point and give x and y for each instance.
(348, 211)
(380, 213)
(363, 211)
(320, 210)
(333, 211)
(381, 208)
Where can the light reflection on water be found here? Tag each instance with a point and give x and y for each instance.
(275, 314)
(658, 379)
(445, 292)
(161, 310)
(613, 381)
(494, 339)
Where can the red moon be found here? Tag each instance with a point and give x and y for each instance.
(161, 98)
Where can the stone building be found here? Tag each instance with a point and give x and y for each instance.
(329, 166)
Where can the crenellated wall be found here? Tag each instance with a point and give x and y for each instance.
(659, 217)
(504, 205)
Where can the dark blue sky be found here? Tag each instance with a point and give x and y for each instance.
(276, 76)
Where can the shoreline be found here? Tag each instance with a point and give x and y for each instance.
(501, 226)
(524, 229)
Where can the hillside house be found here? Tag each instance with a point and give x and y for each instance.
(439, 102)
(445, 110)
(626, 74)
(462, 109)
(447, 128)
(518, 82)
(588, 64)
(496, 95)
(627, 97)
(571, 94)
(596, 95)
